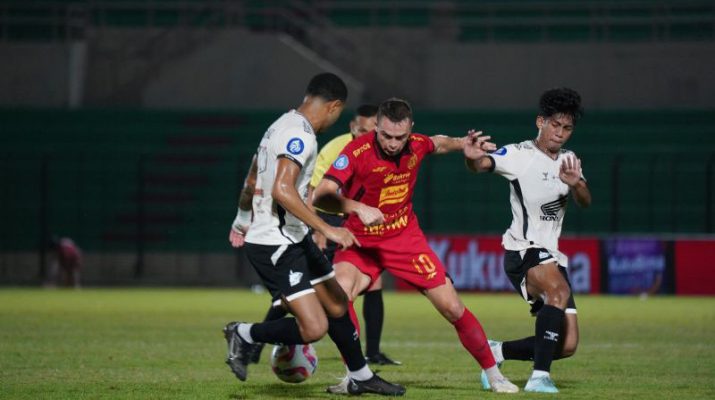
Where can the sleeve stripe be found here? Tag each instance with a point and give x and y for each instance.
(292, 159)
(334, 179)
(494, 164)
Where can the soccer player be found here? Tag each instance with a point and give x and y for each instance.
(372, 181)
(278, 246)
(542, 175)
(373, 309)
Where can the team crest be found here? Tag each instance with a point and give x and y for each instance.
(500, 152)
(341, 162)
(295, 146)
(413, 161)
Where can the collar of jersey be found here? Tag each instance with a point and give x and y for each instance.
(306, 120)
(544, 153)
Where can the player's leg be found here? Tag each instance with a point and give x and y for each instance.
(546, 281)
(334, 294)
(470, 332)
(285, 273)
(373, 312)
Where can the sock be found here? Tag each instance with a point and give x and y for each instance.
(284, 331)
(539, 374)
(548, 333)
(474, 339)
(244, 331)
(522, 349)
(493, 373)
(374, 313)
(275, 313)
(344, 335)
(354, 317)
(362, 374)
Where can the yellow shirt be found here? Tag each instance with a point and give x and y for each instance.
(327, 156)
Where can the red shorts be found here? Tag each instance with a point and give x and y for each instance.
(406, 256)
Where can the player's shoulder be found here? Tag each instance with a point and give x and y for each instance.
(420, 141)
(418, 137)
(357, 148)
(292, 123)
(524, 148)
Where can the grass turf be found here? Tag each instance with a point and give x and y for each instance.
(167, 344)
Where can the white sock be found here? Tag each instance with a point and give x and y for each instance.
(538, 374)
(244, 331)
(493, 373)
(362, 374)
(496, 352)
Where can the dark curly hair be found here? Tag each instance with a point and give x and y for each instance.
(561, 101)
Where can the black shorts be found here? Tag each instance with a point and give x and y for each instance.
(289, 271)
(516, 267)
(332, 220)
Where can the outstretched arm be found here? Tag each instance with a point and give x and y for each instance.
(475, 152)
(243, 216)
(447, 144)
(570, 174)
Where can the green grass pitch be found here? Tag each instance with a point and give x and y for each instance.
(167, 344)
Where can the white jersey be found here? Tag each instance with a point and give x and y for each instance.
(290, 136)
(538, 197)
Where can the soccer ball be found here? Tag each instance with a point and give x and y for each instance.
(294, 363)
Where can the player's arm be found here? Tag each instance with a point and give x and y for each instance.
(245, 204)
(328, 197)
(447, 144)
(285, 194)
(475, 151)
(570, 174)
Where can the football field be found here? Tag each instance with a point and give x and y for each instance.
(167, 344)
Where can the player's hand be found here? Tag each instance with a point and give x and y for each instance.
(477, 145)
(343, 237)
(370, 216)
(237, 237)
(570, 171)
(320, 240)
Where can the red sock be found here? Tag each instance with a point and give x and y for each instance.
(474, 339)
(353, 317)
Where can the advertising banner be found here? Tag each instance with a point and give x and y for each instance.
(635, 266)
(694, 267)
(476, 263)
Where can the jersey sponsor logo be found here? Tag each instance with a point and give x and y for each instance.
(295, 146)
(500, 151)
(393, 194)
(379, 169)
(341, 162)
(379, 230)
(550, 210)
(396, 178)
(361, 149)
(413, 162)
(294, 278)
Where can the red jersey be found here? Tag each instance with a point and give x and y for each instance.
(366, 174)
(68, 254)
